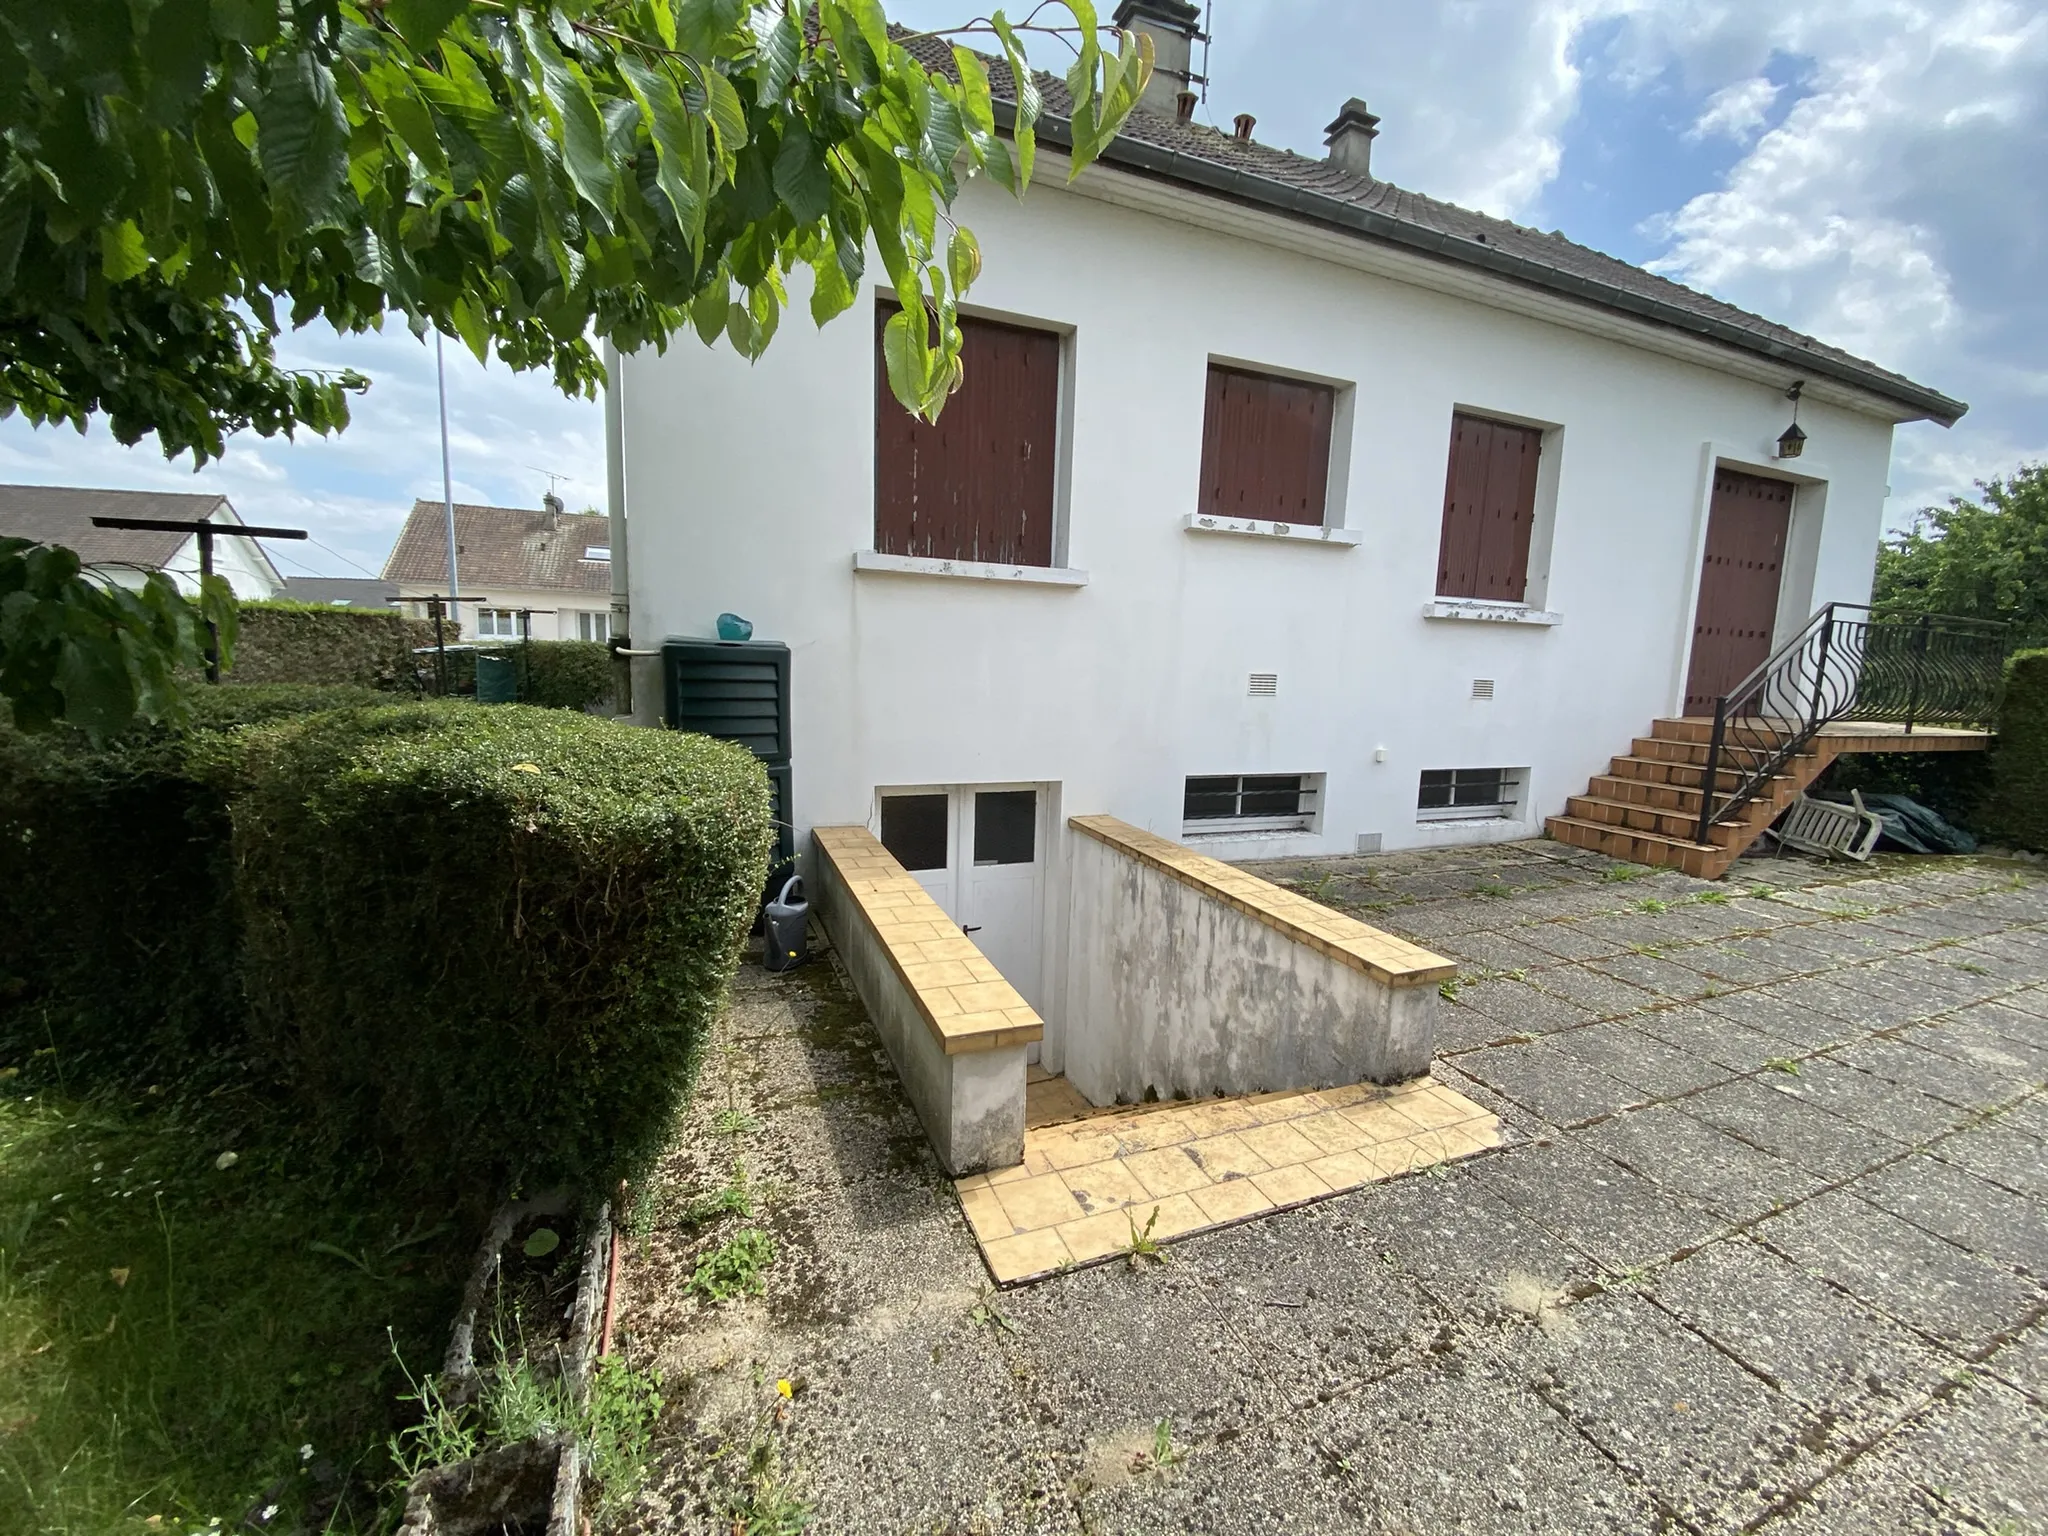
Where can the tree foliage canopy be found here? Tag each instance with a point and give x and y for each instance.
(184, 178)
(1983, 559)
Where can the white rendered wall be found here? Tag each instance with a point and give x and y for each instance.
(554, 616)
(750, 488)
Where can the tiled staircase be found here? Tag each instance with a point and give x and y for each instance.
(1646, 809)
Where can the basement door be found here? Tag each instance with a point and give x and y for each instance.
(1731, 632)
(979, 850)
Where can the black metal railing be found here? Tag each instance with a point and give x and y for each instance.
(1847, 663)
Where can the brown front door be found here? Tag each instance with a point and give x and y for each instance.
(1731, 633)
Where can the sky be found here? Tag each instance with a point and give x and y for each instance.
(1873, 172)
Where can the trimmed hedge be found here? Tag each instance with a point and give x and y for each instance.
(493, 939)
(551, 674)
(285, 642)
(2017, 810)
(118, 936)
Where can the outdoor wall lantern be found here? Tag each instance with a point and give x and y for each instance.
(1792, 441)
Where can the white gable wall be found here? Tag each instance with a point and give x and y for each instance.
(750, 489)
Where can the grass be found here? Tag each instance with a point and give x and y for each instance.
(1653, 905)
(188, 1337)
(1622, 872)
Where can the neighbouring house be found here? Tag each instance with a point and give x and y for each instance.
(1283, 512)
(341, 591)
(63, 514)
(552, 566)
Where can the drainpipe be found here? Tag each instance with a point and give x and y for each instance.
(615, 507)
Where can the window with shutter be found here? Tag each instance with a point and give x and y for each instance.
(978, 483)
(1266, 447)
(1489, 510)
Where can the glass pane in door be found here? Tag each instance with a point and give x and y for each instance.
(1005, 826)
(914, 830)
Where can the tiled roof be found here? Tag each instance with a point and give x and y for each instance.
(502, 547)
(349, 591)
(63, 514)
(1197, 156)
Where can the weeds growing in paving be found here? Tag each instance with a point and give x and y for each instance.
(1622, 872)
(735, 1267)
(762, 1500)
(1653, 905)
(1783, 1064)
(1143, 1245)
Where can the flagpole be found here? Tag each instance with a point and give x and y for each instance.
(448, 487)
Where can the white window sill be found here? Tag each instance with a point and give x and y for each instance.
(1293, 533)
(870, 561)
(1488, 613)
(1222, 829)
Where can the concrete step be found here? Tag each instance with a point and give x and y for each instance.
(1698, 859)
(1636, 817)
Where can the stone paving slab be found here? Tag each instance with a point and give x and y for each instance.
(1798, 1186)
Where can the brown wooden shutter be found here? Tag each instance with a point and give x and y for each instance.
(1489, 510)
(978, 483)
(1266, 447)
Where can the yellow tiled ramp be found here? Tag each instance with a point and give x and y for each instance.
(1086, 1184)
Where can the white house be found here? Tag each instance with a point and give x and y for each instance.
(545, 568)
(60, 514)
(1283, 512)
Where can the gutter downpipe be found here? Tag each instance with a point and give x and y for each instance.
(615, 510)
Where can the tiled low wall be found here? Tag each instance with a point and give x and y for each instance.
(954, 1028)
(1186, 976)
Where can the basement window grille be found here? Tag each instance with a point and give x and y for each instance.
(1264, 685)
(1250, 802)
(1469, 794)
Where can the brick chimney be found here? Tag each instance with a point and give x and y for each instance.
(1173, 26)
(551, 508)
(1350, 138)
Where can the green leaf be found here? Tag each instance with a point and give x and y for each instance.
(779, 46)
(801, 179)
(683, 170)
(541, 1242)
(122, 253)
(575, 115)
(963, 259)
(831, 293)
(252, 23)
(1022, 130)
(302, 135)
(906, 357)
(421, 22)
(708, 309)
(410, 118)
(728, 120)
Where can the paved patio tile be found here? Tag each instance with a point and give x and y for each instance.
(1972, 1462)
(1712, 1036)
(2001, 1152)
(1896, 1109)
(1745, 961)
(2024, 1362)
(1771, 1113)
(1718, 1444)
(1692, 1160)
(1466, 1448)
(1661, 974)
(1950, 1202)
(1600, 995)
(1588, 1202)
(1963, 1084)
(1993, 1036)
(1519, 1007)
(1497, 950)
(1570, 940)
(1831, 1352)
(1551, 1082)
(1788, 1011)
(1625, 1050)
(1908, 1274)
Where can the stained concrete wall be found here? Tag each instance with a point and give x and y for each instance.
(1171, 991)
(972, 1102)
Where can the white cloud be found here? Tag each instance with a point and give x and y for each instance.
(1735, 111)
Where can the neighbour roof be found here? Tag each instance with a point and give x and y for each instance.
(502, 547)
(347, 591)
(1195, 155)
(63, 514)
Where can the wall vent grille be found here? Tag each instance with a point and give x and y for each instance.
(1482, 687)
(1264, 685)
